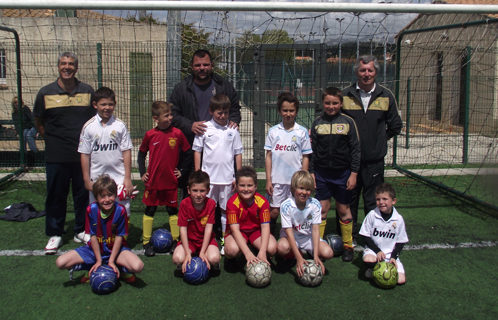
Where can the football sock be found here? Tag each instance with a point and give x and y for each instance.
(82, 266)
(147, 227)
(223, 222)
(370, 265)
(322, 228)
(347, 231)
(273, 225)
(175, 229)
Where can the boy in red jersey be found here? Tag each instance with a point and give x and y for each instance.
(107, 224)
(163, 143)
(196, 220)
(248, 216)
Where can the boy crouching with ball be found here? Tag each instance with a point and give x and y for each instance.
(301, 217)
(248, 219)
(196, 220)
(107, 224)
(384, 232)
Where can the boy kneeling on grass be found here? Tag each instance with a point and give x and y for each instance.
(384, 232)
(301, 217)
(196, 220)
(107, 224)
(248, 218)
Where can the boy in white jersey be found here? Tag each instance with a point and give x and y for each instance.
(105, 146)
(287, 148)
(301, 217)
(216, 149)
(384, 232)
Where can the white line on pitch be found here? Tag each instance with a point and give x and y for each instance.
(481, 244)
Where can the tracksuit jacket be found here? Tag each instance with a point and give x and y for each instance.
(335, 143)
(380, 123)
(185, 107)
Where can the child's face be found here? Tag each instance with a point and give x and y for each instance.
(219, 116)
(198, 193)
(331, 105)
(105, 108)
(288, 112)
(301, 194)
(164, 120)
(246, 188)
(106, 200)
(384, 202)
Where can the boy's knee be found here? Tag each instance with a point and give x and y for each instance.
(138, 266)
(274, 213)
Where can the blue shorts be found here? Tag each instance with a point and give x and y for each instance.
(333, 184)
(86, 253)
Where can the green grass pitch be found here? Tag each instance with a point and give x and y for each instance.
(450, 266)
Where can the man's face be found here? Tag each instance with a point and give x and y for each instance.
(67, 68)
(202, 68)
(366, 75)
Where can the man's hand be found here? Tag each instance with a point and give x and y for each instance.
(199, 128)
(233, 125)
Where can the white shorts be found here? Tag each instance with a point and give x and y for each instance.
(281, 192)
(125, 203)
(401, 269)
(303, 243)
(220, 193)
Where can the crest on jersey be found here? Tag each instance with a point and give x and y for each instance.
(294, 139)
(394, 225)
(214, 91)
(172, 142)
(79, 99)
(114, 226)
(204, 221)
(230, 135)
(114, 134)
(96, 136)
(377, 102)
(310, 217)
(340, 128)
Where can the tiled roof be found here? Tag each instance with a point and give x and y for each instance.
(44, 13)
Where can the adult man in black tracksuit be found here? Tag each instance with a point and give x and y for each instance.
(375, 111)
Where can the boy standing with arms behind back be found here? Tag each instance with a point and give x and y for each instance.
(105, 146)
(287, 148)
(163, 143)
(216, 148)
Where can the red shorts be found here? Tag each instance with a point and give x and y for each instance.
(196, 248)
(250, 236)
(167, 198)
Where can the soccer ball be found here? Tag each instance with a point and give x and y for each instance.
(385, 275)
(103, 280)
(335, 242)
(161, 240)
(197, 271)
(312, 274)
(258, 274)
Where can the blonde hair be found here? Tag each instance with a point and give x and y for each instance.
(302, 178)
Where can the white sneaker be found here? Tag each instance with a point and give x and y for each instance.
(81, 237)
(222, 250)
(54, 243)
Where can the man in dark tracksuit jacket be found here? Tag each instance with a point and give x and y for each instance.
(375, 111)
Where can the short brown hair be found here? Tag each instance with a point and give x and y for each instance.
(334, 92)
(387, 188)
(302, 178)
(246, 172)
(199, 177)
(201, 53)
(287, 97)
(104, 182)
(160, 107)
(219, 102)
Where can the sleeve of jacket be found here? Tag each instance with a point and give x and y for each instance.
(234, 102)
(354, 147)
(179, 120)
(311, 168)
(393, 120)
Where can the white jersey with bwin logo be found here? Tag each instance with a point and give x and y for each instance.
(105, 145)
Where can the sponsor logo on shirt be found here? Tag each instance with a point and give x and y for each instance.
(105, 147)
(304, 226)
(383, 234)
(291, 148)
